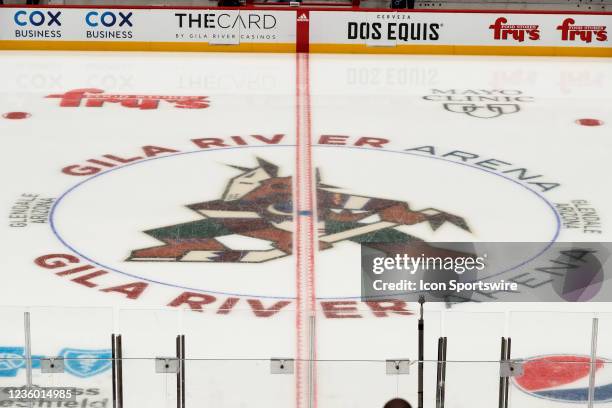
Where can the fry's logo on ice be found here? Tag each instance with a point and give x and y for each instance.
(96, 98)
(503, 31)
(571, 32)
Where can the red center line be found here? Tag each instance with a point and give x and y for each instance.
(306, 395)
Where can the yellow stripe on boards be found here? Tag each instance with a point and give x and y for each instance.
(143, 46)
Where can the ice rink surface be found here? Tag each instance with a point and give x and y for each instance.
(126, 181)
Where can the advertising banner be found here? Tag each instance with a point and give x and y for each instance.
(391, 29)
(306, 30)
(212, 26)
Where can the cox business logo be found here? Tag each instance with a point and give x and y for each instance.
(108, 19)
(81, 363)
(37, 18)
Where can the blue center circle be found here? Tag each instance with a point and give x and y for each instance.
(286, 207)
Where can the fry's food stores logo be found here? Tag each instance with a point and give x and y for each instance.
(582, 33)
(504, 32)
(96, 98)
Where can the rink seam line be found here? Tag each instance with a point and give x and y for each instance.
(311, 228)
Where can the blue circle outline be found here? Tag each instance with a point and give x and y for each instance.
(54, 229)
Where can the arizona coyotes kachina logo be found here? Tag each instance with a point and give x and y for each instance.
(257, 203)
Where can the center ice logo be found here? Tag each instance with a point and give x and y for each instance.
(565, 378)
(257, 203)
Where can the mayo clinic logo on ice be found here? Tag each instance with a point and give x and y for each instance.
(504, 32)
(38, 23)
(480, 103)
(109, 24)
(582, 33)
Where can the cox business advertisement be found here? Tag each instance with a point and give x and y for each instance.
(147, 25)
(459, 29)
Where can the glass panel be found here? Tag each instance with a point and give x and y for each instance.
(149, 333)
(88, 373)
(550, 333)
(556, 348)
(261, 331)
(229, 355)
(143, 387)
(145, 335)
(81, 336)
(237, 383)
(473, 352)
(552, 381)
(470, 384)
(344, 332)
(353, 342)
(603, 372)
(12, 362)
(364, 384)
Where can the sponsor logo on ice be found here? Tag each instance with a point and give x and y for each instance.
(78, 362)
(479, 103)
(96, 98)
(565, 378)
(86, 363)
